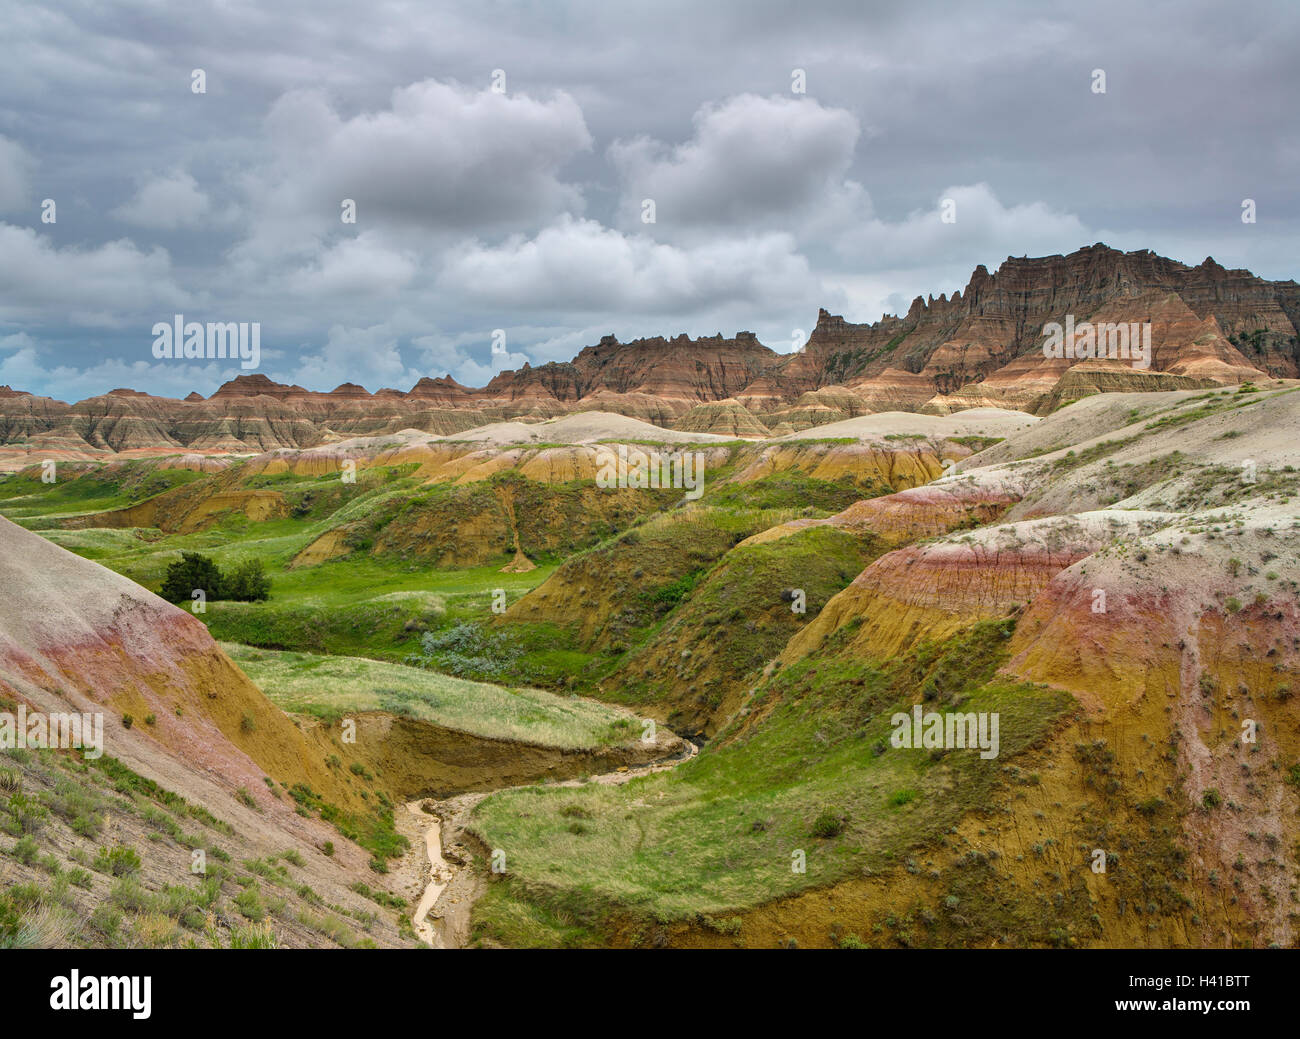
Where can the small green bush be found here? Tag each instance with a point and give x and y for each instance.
(118, 861)
(828, 825)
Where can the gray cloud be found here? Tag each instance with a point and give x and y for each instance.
(479, 210)
(752, 162)
(440, 155)
(15, 176)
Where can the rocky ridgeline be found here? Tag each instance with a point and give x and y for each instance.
(981, 347)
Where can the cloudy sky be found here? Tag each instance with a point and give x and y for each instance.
(523, 208)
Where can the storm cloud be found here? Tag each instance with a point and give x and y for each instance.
(499, 157)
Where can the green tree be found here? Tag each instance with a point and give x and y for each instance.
(248, 582)
(191, 572)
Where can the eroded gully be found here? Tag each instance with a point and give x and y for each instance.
(441, 918)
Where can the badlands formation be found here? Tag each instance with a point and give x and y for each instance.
(980, 348)
(645, 706)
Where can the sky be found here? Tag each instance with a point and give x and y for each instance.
(505, 158)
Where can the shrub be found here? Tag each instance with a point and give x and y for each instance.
(24, 815)
(249, 902)
(25, 851)
(129, 895)
(118, 861)
(25, 896)
(828, 825)
(106, 920)
(248, 582)
(80, 806)
(464, 637)
(253, 936)
(9, 920)
(43, 927)
(729, 925)
(382, 897)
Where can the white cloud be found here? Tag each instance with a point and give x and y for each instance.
(459, 356)
(17, 341)
(579, 265)
(30, 368)
(753, 163)
(982, 227)
(166, 203)
(369, 356)
(361, 266)
(441, 158)
(109, 284)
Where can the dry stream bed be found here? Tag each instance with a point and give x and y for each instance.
(454, 884)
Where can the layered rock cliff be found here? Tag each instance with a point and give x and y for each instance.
(982, 347)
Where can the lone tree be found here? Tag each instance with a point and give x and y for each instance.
(192, 572)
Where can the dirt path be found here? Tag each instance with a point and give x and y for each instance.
(454, 884)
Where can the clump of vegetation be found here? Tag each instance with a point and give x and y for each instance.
(118, 861)
(382, 897)
(194, 572)
(25, 850)
(728, 925)
(828, 825)
(22, 815)
(466, 649)
(249, 902)
(253, 936)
